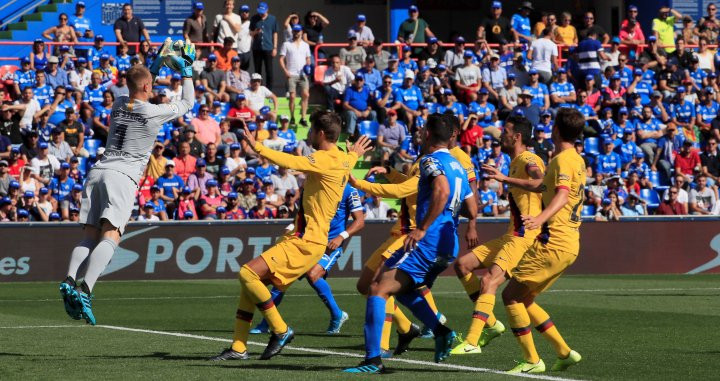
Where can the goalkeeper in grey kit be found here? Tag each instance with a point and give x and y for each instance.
(109, 191)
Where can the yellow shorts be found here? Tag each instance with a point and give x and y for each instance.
(290, 258)
(541, 267)
(391, 245)
(505, 251)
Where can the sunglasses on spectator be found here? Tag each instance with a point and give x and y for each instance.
(673, 192)
(204, 110)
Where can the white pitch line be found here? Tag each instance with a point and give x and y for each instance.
(638, 290)
(40, 326)
(344, 354)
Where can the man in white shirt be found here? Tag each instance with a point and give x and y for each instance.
(468, 78)
(30, 108)
(376, 209)
(294, 55)
(256, 95)
(363, 32)
(284, 182)
(44, 164)
(336, 80)
(544, 52)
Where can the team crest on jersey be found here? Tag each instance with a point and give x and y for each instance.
(311, 159)
(431, 167)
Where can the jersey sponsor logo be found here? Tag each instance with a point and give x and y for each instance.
(118, 113)
(563, 177)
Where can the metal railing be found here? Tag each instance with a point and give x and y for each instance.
(21, 13)
(50, 44)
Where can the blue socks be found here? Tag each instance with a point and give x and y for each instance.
(325, 293)
(374, 319)
(276, 295)
(420, 308)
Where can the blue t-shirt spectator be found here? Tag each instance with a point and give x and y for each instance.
(373, 78)
(358, 99)
(60, 189)
(168, 184)
(410, 96)
(608, 163)
(490, 197)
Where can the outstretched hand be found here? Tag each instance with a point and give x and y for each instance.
(184, 57)
(249, 138)
(361, 146)
(493, 173)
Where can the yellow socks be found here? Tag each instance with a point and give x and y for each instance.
(387, 324)
(425, 292)
(260, 295)
(483, 311)
(243, 318)
(471, 284)
(520, 324)
(542, 322)
(401, 321)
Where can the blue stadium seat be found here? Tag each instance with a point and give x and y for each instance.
(82, 165)
(592, 146)
(368, 128)
(224, 107)
(432, 107)
(655, 178)
(588, 211)
(651, 198)
(464, 109)
(92, 145)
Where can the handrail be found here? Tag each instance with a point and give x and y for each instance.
(51, 44)
(9, 3)
(23, 13)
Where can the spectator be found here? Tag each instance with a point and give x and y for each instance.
(590, 53)
(590, 26)
(120, 89)
(273, 141)
(59, 147)
(45, 165)
(488, 199)
(29, 180)
(527, 108)
(239, 113)
(5, 178)
(294, 56)
(509, 95)
(236, 79)
(213, 80)
(29, 149)
(688, 34)
(129, 28)
(352, 55)
(408, 98)
(390, 135)
(521, 22)
(454, 58)
(284, 182)
(687, 161)
(71, 201)
(157, 162)
(649, 130)
(371, 75)
(170, 183)
(543, 53)
(207, 129)
(362, 31)
(194, 27)
(664, 28)
(414, 30)
(62, 184)
(148, 213)
(23, 77)
(633, 206)
(381, 56)
(261, 211)
(671, 206)
(539, 91)
(468, 78)
(608, 210)
(56, 76)
(631, 34)
(496, 29)
(38, 57)
(186, 205)
(565, 33)
(184, 161)
(226, 54)
(247, 198)
(709, 25)
(257, 94)
(711, 162)
(82, 28)
(315, 22)
(356, 104)
(233, 209)
(263, 29)
(336, 79)
(198, 181)
(290, 21)
(235, 162)
(376, 208)
(486, 114)
(702, 199)
(542, 147)
(81, 77)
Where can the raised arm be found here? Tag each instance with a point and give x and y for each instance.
(174, 110)
(401, 190)
(534, 184)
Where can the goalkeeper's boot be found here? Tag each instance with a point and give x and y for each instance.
(165, 50)
(489, 333)
(67, 291)
(277, 343)
(526, 367)
(83, 298)
(562, 364)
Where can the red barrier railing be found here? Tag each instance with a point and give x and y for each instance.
(50, 44)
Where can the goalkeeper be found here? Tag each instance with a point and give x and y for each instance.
(108, 193)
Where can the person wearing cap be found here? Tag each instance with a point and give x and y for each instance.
(56, 76)
(433, 51)
(233, 211)
(390, 136)
(129, 28)
(371, 75)
(614, 94)
(486, 113)
(608, 162)
(406, 61)
(240, 112)
(273, 141)
(521, 22)
(414, 30)
(496, 29)
(527, 107)
(194, 27)
(353, 54)
(682, 113)
(44, 165)
(197, 181)
(96, 51)
(455, 57)
(62, 184)
(213, 79)
(24, 77)
(294, 56)
(207, 130)
(468, 78)
(494, 77)
(157, 203)
(363, 32)
(589, 25)
(695, 74)
(562, 92)
(108, 73)
(539, 91)
(256, 95)
(261, 211)
(264, 31)
(170, 183)
(543, 53)
(357, 104)
(336, 79)
(82, 28)
(81, 77)
(706, 111)
(185, 202)
(687, 161)
(408, 98)
(236, 79)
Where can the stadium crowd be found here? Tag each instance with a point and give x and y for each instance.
(650, 99)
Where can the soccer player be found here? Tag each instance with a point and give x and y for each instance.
(554, 250)
(405, 188)
(501, 255)
(108, 194)
(427, 250)
(350, 205)
(327, 172)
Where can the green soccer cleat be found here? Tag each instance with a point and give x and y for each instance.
(489, 333)
(562, 364)
(465, 348)
(526, 367)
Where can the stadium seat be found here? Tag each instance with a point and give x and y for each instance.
(651, 198)
(588, 211)
(224, 107)
(319, 73)
(655, 178)
(82, 165)
(368, 128)
(592, 146)
(92, 145)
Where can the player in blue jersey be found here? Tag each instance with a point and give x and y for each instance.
(442, 188)
(350, 205)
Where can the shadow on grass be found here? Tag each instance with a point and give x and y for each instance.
(663, 295)
(256, 365)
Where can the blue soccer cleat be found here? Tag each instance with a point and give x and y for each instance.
(336, 324)
(443, 345)
(427, 333)
(367, 367)
(260, 328)
(67, 291)
(84, 301)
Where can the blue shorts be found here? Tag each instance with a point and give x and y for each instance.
(328, 260)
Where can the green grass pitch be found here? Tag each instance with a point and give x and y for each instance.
(626, 327)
